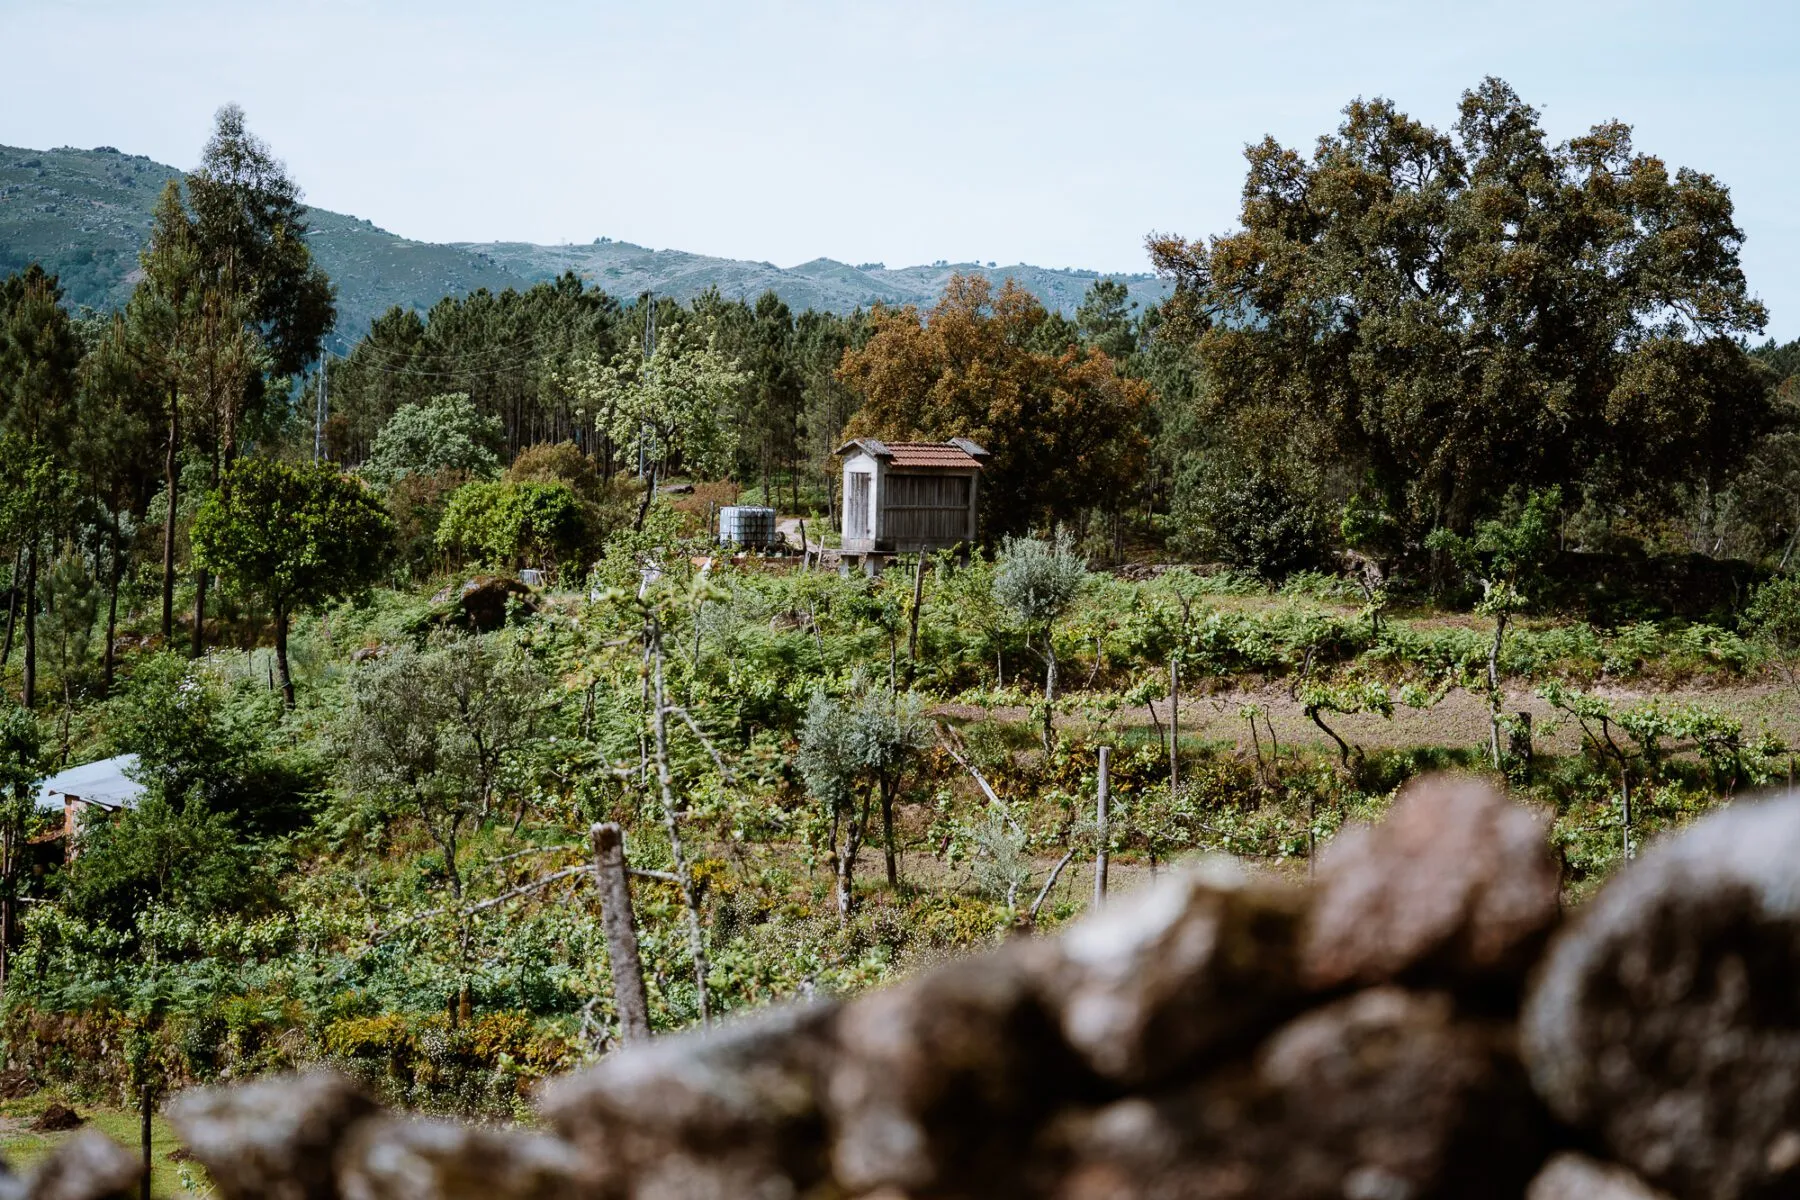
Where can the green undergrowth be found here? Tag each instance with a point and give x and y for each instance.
(278, 902)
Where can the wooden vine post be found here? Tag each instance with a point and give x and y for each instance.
(621, 933)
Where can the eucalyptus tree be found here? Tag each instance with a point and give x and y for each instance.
(115, 450)
(230, 281)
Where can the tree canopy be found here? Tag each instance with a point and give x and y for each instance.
(1063, 427)
(1451, 314)
(444, 433)
(292, 535)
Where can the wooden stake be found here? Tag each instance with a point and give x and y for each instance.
(621, 933)
(918, 602)
(145, 1111)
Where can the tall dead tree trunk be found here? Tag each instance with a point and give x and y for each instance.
(672, 814)
(918, 603)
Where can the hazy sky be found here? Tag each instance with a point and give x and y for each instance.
(1051, 133)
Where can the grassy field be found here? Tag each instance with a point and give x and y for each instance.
(24, 1148)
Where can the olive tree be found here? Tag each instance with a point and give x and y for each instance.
(856, 749)
(428, 733)
(1037, 582)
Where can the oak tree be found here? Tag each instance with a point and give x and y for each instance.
(1461, 312)
(1063, 429)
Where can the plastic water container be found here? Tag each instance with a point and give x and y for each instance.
(747, 525)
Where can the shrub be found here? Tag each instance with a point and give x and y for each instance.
(445, 433)
(515, 524)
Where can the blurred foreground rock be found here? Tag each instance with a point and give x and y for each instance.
(1417, 1023)
(1666, 1018)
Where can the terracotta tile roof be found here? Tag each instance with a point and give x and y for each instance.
(930, 454)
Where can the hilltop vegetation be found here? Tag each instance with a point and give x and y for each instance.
(1278, 565)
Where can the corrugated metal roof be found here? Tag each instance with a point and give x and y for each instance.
(930, 454)
(104, 782)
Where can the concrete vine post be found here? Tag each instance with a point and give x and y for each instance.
(1174, 721)
(620, 927)
(1102, 825)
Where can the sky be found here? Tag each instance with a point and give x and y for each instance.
(1034, 131)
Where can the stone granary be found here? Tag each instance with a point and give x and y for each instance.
(908, 498)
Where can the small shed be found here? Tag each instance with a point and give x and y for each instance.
(908, 497)
(106, 784)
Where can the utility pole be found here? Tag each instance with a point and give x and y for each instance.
(649, 354)
(319, 416)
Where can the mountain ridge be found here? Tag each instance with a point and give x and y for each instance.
(85, 213)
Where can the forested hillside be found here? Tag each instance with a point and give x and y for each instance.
(822, 284)
(1499, 478)
(83, 214)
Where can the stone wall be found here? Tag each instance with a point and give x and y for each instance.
(1420, 1021)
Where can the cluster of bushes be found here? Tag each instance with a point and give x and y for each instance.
(438, 465)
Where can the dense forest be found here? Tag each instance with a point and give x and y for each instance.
(1464, 450)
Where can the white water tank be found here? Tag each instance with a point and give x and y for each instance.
(749, 525)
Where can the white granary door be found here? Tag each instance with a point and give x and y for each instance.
(858, 505)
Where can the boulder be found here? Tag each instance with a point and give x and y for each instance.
(1385, 1093)
(1157, 982)
(273, 1138)
(940, 1084)
(1666, 1017)
(58, 1117)
(481, 604)
(731, 1113)
(1577, 1177)
(89, 1166)
(1456, 887)
(400, 1159)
